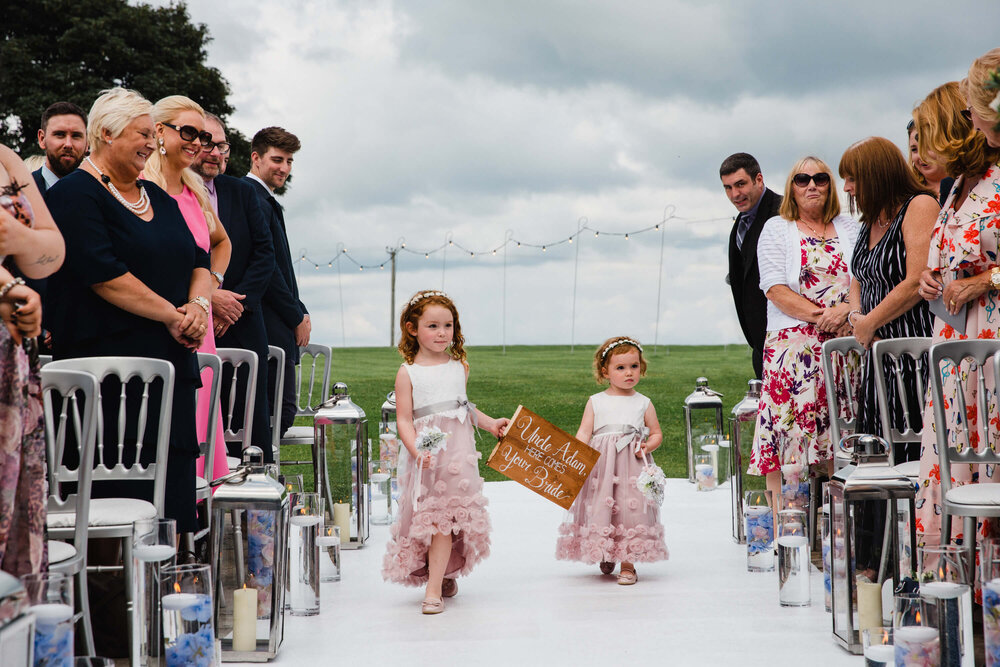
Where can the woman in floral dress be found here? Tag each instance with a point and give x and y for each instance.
(803, 254)
(961, 263)
(31, 245)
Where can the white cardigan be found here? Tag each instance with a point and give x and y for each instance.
(779, 256)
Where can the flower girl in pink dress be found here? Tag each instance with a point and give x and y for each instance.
(442, 529)
(612, 520)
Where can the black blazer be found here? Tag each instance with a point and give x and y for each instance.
(744, 273)
(39, 180)
(252, 261)
(283, 311)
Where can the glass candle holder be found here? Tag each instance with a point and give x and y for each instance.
(826, 546)
(948, 600)
(305, 522)
(704, 472)
(186, 604)
(329, 554)
(795, 487)
(793, 559)
(989, 559)
(758, 526)
(878, 648)
(380, 476)
(154, 544)
(50, 597)
(916, 641)
(260, 558)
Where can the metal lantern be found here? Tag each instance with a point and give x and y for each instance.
(250, 560)
(388, 424)
(702, 421)
(742, 423)
(866, 538)
(341, 432)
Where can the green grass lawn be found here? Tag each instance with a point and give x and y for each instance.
(555, 383)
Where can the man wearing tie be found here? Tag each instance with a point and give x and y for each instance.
(236, 304)
(744, 185)
(63, 138)
(285, 316)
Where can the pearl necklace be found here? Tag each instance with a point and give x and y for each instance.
(138, 208)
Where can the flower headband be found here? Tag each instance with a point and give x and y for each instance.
(420, 296)
(993, 83)
(623, 341)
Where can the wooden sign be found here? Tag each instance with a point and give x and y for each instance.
(543, 457)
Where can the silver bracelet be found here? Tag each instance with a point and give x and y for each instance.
(849, 320)
(9, 286)
(201, 301)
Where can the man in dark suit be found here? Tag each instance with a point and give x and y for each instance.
(285, 316)
(744, 185)
(236, 304)
(62, 137)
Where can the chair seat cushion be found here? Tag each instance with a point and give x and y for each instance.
(910, 469)
(107, 512)
(975, 494)
(233, 462)
(60, 551)
(297, 435)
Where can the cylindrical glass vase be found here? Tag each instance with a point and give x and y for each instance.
(305, 522)
(795, 487)
(826, 546)
(878, 648)
(989, 559)
(380, 476)
(947, 595)
(188, 626)
(50, 597)
(704, 472)
(154, 544)
(329, 554)
(758, 526)
(916, 640)
(793, 559)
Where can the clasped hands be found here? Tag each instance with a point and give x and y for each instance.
(955, 294)
(21, 311)
(189, 326)
(833, 319)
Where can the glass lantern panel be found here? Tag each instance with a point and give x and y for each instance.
(839, 561)
(346, 452)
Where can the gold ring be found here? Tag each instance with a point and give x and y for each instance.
(953, 302)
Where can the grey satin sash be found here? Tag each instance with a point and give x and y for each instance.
(628, 431)
(444, 406)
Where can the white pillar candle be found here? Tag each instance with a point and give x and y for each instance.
(342, 519)
(869, 605)
(245, 619)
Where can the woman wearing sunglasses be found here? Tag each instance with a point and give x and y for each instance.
(962, 266)
(803, 254)
(180, 138)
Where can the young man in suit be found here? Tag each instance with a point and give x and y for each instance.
(63, 139)
(744, 185)
(285, 316)
(237, 313)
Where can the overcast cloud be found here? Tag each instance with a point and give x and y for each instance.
(419, 119)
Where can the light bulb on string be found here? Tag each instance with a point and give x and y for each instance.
(518, 244)
(571, 239)
(402, 245)
(344, 250)
(543, 248)
(494, 252)
(361, 268)
(626, 237)
(427, 255)
(330, 264)
(472, 254)
(596, 234)
(657, 228)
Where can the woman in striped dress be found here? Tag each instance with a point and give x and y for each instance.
(897, 216)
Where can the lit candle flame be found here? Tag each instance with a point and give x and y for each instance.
(177, 587)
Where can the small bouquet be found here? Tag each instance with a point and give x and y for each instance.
(651, 483)
(431, 440)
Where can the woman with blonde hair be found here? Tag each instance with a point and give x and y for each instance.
(180, 137)
(803, 254)
(962, 273)
(134, 284)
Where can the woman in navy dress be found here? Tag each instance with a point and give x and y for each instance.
(134, 282)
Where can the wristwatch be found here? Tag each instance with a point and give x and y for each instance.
(995, 277)
(217, 276)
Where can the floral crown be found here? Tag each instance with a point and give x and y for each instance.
(993, 83)
(622, 341)
(420, 296)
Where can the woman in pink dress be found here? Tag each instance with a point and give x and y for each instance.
(963, 256)
(180, 137)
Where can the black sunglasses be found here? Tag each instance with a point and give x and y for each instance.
(966, 114)
(190, 133)
(820, 179)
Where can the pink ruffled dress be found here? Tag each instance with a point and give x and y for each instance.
(610, 520)
(450, 498)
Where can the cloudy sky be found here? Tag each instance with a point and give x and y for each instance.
(428, 120)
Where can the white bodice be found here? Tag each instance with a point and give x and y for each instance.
(619, 409)
(438, 383)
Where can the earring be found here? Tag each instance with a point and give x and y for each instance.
(163, 151)
(109, 142)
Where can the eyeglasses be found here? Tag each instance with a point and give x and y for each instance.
(190, 133)
(966, 114)
(820, 179)
(223, 147)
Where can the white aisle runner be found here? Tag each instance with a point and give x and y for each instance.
(522, 607)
